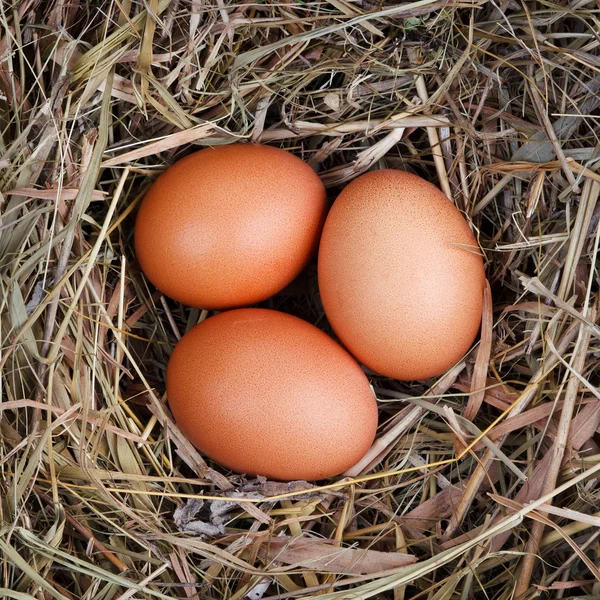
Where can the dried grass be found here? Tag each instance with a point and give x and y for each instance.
(486, 480)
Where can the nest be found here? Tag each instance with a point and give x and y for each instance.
(483, 483)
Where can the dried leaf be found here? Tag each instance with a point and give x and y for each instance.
(324, 556)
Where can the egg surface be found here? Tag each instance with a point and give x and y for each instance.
(265, 393)
(401, 276)
(229, 226)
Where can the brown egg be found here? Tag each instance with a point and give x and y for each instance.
(229, 226)
(401, 275)
(265, 393)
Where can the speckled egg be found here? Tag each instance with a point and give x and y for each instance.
(265, 393)
(229, 226)
(401, 275)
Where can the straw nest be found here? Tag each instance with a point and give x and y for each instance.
(482, 483)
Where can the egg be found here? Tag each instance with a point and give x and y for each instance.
(265, 393)
(229, 226)
(401, 275)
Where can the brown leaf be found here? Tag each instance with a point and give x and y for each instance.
(426, 515)
(324, 556)
(586, 420)
(483, 357)
(584, 425)
(495, 395)
(534, 416)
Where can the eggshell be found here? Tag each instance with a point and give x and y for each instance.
(401, 275)
(265, 393)
(229, 226)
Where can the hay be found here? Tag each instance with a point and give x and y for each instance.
(483, 483)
